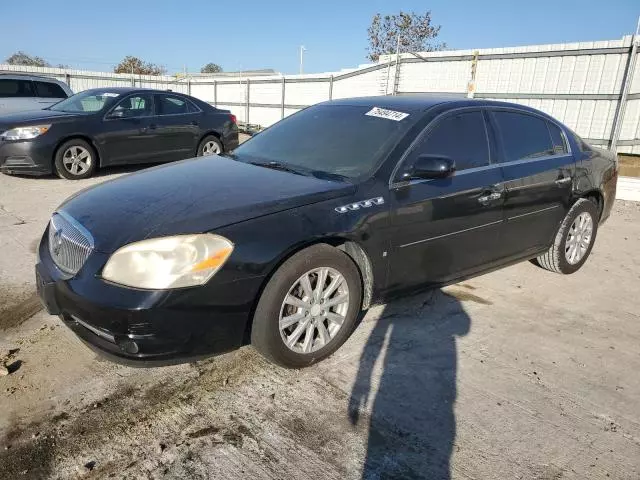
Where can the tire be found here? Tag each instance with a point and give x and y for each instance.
(266, 335)
(75, 159)
(209, 145)
(559, 257)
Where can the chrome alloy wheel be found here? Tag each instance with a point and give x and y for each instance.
(76, 160)
(211, 148)
(314, 310)
(579, 238)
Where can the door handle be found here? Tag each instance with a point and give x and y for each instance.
(563, 181)
(193, 122)
(487, 199)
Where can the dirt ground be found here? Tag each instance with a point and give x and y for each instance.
(520, 373)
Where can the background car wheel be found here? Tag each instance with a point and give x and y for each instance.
(75, 160)
(209, 145)
(309, 307)
(574, 240)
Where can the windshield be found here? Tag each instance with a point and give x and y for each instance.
(84, 102)
(344, 140)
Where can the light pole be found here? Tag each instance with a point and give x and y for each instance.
(302, 50)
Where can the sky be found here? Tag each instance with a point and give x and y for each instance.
(249, 34)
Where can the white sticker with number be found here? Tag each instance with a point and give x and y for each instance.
(388, 114)
(110, 94)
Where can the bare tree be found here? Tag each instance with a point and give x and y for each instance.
(414, 32)
(211, 68)
(134, 65)
(21, 58)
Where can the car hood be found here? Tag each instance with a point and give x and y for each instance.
(32, 117)
(191, 196)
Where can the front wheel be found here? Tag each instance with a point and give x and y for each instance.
(75, 160)
(309, 307)
(574, 239)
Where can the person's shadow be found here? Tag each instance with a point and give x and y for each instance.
(412, 426)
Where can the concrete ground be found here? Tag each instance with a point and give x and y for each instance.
(520, 373)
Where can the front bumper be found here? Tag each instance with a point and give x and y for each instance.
(141, 327)
(27, 157)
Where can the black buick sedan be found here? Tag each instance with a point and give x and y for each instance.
(283, 242)
(112, 126)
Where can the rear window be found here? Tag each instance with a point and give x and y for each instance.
(49, 90)
(340, 139)
(523, 136)
(16, 88)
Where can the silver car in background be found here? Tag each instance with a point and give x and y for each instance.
(19, 93)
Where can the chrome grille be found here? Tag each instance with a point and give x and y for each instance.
(70, 244)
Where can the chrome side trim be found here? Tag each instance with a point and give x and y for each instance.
(532, 213)
(450, 234)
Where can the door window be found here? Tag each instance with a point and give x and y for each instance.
(49, 90)
(557, 139)
(134, 106)
(523, 136)
(16, 88)
(171, 105)
(461, 137)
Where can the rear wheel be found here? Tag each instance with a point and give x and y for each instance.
(75, 160)
(209, 145)
(574, 239)
(309, 307)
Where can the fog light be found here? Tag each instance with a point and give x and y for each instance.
(128, 346)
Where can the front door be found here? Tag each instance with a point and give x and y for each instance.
(445, 227)
(128, 133)
(538, 170)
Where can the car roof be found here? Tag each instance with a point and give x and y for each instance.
(123, 90)
(20, 76)
(423, 102)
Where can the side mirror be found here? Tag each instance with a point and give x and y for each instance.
(431, 166)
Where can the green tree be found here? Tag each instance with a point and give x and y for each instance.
(21, 58)
(134, 65)
(211, 68)
(415, 32)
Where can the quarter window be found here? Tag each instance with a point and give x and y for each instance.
(49, 90)
(462, 137)
(557, 139)
(523, 136)
(16, 88)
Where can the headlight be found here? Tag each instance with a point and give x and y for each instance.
(168, 262)
(25, 133)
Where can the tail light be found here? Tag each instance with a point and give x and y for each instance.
(233, 118)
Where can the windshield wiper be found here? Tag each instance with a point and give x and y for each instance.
(277, 166)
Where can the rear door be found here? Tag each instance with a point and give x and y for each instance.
(17, 95)
(539, 170)
(178, 127)
(443, 228)
(48, 93)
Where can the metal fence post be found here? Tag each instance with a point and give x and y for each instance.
(396, 76)
(215, 93)
(189, 87)
(284, 81)
(248, 107)
(618, 118)
(67, 79)
(331, 87)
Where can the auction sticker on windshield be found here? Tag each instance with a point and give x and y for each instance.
(388, 114)
(110, 94)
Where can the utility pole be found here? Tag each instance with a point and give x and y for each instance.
(302, 50)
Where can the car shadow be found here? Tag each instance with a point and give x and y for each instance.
(411, 425)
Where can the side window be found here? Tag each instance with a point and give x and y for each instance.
(170, 105)
(461, 137)
(16, 88)
(135, 106)
(557, 139)
(49, 90)
(523, 136)
(192, 107)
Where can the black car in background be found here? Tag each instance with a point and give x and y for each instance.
(283, 242)
(113, 126)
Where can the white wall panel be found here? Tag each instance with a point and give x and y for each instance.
(370, 83)
(270, 93)
(264, 115)
(306, 93)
